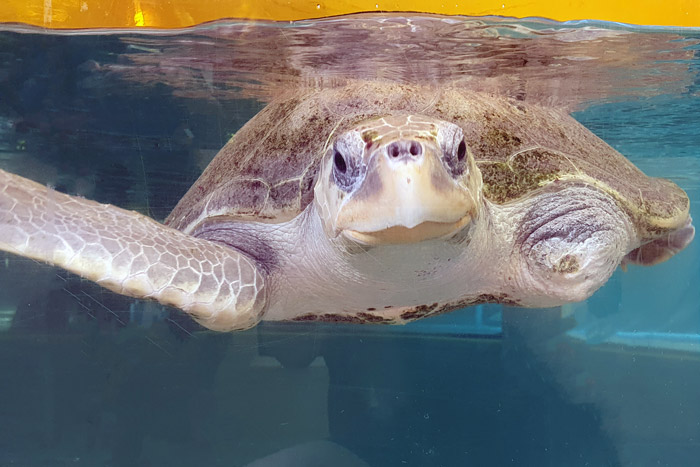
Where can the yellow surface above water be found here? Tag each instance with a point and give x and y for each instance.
(182, 13)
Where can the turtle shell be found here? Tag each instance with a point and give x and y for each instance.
(266, 172)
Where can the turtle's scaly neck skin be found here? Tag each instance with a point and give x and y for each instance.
(347, 279)
(497, 258)
(317, 277)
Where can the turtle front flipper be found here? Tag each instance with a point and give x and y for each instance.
(569, 242)
(131, 254)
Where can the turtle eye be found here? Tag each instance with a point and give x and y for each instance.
(455, 158)
(346, 169)
(461, 150)
(339, 161)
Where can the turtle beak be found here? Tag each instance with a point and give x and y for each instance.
(407, 196)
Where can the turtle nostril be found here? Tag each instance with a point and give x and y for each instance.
(404, 148)
(415, 149)
(394, 150)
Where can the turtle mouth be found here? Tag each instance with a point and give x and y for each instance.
(399, 234)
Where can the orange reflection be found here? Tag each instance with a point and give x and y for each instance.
(182, 13)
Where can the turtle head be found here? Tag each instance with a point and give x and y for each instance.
(398, 179)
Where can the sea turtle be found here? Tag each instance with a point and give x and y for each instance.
(371, 202)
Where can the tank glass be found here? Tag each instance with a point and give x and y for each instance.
(132, 118)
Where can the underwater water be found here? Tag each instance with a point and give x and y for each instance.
(92, 378)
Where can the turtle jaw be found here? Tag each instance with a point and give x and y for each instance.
(400, 235)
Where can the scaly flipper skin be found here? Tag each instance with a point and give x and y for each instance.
(131, 254)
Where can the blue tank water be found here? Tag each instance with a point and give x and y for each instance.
(91, 378)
